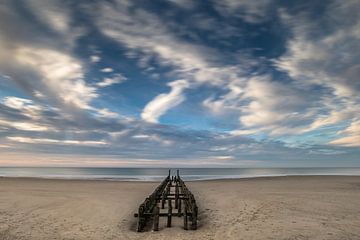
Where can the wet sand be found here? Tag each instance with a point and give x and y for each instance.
(307, 207)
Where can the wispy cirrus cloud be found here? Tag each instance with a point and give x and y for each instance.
(144, 32)
(251, 84)
(62, 76)
(163, 102)
(326, 60)
(114, 79)
(54, 141)
(107, 70)
(351, 136)
(247, 10)
(95, 58)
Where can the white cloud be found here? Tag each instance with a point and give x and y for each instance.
(153, 137)
(57, 17)
(55, 141)
(243, 132)
(120, 134)
(141, 136)
(61, 74)
(107, 70)
(266, 105)
(329, 60)
(51, 13)
(223, 158)
(144, 32)
(95, 58)
(351, 138)
(25, 126)
(333, 117)
(38, 94)
(248, 10)
(26, 106)
(270, 103)
(231, 101)
(38, 56)
(17, 103)
(104, 112)
(350, 141)
(160, 104)
(186, 4)
(263, 106)
(117, 78)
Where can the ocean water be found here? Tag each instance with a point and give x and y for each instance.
(157, 174)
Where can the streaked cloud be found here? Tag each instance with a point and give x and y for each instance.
(351, 136)
(26, 126)
(54, 141)
(163, 102)
(95, 58)
(247, 10)
(26, 106)
(108, 81)
(243, 83)
(60, 74)
(107, 70)
(104, 112)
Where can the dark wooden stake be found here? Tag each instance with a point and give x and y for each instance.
(185, 219)
(179, 207)
(194, 218)
(176, 195)
(141, 218)
(163, 200)
(156, 219)
(169, 213)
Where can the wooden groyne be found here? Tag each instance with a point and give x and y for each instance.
(171, 193)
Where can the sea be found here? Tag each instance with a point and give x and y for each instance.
(157, 174)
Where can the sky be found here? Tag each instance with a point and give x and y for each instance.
(136, 83)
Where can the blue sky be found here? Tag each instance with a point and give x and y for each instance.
(232, 83)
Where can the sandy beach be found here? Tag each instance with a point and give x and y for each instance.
(308, 207)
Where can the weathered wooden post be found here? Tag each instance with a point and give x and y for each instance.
(185, 219)
(180, 192)
(176, 195)
(179, 208)
(194, 218)
(156, 219)
(163, 200)
(168, 188)
(141, 218)
(169, 213)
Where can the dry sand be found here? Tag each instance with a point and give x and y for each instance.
(322, 207)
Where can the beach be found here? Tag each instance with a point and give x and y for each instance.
(296, 207)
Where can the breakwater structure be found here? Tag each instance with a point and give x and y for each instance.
(171, 198)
